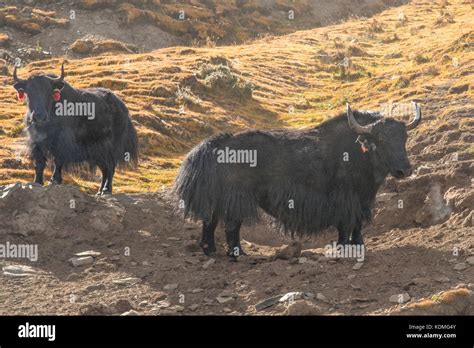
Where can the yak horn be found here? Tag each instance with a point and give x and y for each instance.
(417, 118)
(356, 127)
(15, 77)
(60, 78)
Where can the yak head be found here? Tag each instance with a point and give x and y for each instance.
(386, 139)
(41, 93)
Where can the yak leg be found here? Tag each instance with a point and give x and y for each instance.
(232, 233)
(344, 234)
(208, 243)
(57, 176)
(40, 164)
(356, 237)
(107, 188)
(103, 182)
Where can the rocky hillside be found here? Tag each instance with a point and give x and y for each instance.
(179, 95)
(131, 254)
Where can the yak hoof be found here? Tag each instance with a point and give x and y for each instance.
(106, 193)
(54, 182)
(236, 252)
(207, 249)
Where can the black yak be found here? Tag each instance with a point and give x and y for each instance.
(308, 180)
(76, 126)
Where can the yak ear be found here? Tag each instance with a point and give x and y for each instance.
(19, 85)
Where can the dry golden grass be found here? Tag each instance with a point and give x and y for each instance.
(300, 79)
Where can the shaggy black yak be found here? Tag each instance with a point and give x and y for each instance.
(74, 126)
(307, 180)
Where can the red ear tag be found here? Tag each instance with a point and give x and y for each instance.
(364, 148)
(56, 95)
(21, 95)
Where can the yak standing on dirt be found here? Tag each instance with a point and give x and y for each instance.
(74, 126)
(308, 180)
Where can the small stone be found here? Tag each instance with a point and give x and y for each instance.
(170, 287)
(165, 245)
(81, 261)
(19, 271)
(460, 266)
(122, 305)
(163, 304)
(267, 303)
(421, 281)
(193, 307)
(351, 276)
(158, 296)
(114, 258)
(145, 263)
(127, 281)
(302, 260)
(88, 253)
(195, 291)
(174, 239)
(222, 300)
(291, 296)
(287, 252)
(130, 313)
(321, 297)
(400, 298)
(192, 261)
(228, 294)
(470, 260)
(95, 287)
(208, 263)
(470, 286)
(357, 266)
(442, 279)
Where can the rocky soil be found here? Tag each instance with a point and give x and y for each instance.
(131, 254)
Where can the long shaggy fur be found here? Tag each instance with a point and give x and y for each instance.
(75, 140)
(300, 179)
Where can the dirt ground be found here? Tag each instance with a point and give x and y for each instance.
(147, 260)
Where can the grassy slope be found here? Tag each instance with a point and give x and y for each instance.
(297, 78)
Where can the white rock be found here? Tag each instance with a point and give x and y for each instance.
(81, 261)
(357, 266)
(400, 298)
(88, 253)
(208, 263)
(130, 313)
(19, 271)
(170, 287)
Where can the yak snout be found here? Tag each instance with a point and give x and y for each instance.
(403, 172)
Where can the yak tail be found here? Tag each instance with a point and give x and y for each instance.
(126, 141)
(205, 191)
(131, 144)
(196, 183)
